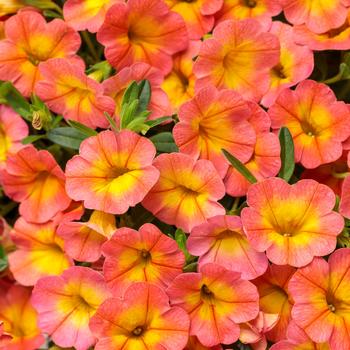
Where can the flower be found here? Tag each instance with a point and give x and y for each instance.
(66, 303)
(146, 255)
(317, 121)
(214, 120)
(34, 179)
(5, 338)
(221, 240)
(187, 191)
(20, 54)
(194, 344)
(321, 299)
(112, 172)
(142, 30)
(239, 56)
(292, 223)
(216, 300)
(143, 319)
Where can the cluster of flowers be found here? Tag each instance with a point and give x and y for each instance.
(138, 246)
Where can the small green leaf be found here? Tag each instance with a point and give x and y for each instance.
(112, 122)
(155, 122)
(144, 95)
(3, 259)
(66, 137)
(287, 154)
(181, 238)
(240, 167)
(164, 142)
(32, 138)
(191, 267)
(128, 113)
(82, 128)
(131, 93)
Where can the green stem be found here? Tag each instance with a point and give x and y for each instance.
(90, 45)
(334, 79)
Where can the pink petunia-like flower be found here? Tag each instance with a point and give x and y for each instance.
(321, 295)
(239, 56)
(34, 179)
(66, 303)
(221, 240)
(20, 53)
(112, 172)
(292, 223)
(146, 255)
(214, 120)
(187, 191)
(317, 121)
(216, 300)
(143, 319)
(67, 90)
(142, 30)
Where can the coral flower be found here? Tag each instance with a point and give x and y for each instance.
(216, 300)
(66, 303)
(13, 130)
(221, 240)
(194, 344)
(317, 121)
(39, 252)
(67, 90)
(239, 56)
(146, 255)
(187, 191)
(198, 15)
(321, 295)
(274, 298)
(214, 120)
(265, 160)
(35, 179)
(86, 14)
(143, 319)
(293, 223)
(19, 319)
(112, 172)
(20, 54)
(142, 30)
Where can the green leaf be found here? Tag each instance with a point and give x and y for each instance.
(32, 138)
(287, 154)
(112, 122)
(131, 93)
(181, 238)
(155, 122)
(164, 142)
(144, 95)
(3, 259)
(240, 167)
(66, 137)
(82, 128)
(128, 113)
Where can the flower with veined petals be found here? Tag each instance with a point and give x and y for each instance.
(296, 63)
(146, 255)
(265, 160)
(216, 300)
(221, 240)
(214, 120)
(112, 172)
(20, 319)
(292, 223)
(20, 54)
(143, 319)
(187, 191)
(39, 252)
(274, 298)
(86, 14)
(321, 299)
(67, 90)
(13, 130)
(34, 179)
(66, 303)
(142, 30)
(317, 121)
(198, 15)
(239, 56)
(195, 344)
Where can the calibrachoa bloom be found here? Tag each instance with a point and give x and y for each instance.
(39, 252)
(214, 120)
(317, 121)
(20, 53)
(187, 191)
(142, 30)
(321, 295)
(146, 255)
(216, 300)
(221, 240)
(34, 179)
(112, 172)
(67, 90)
(292, 223)
(239, 56)
(66, 303)
(143, 319)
